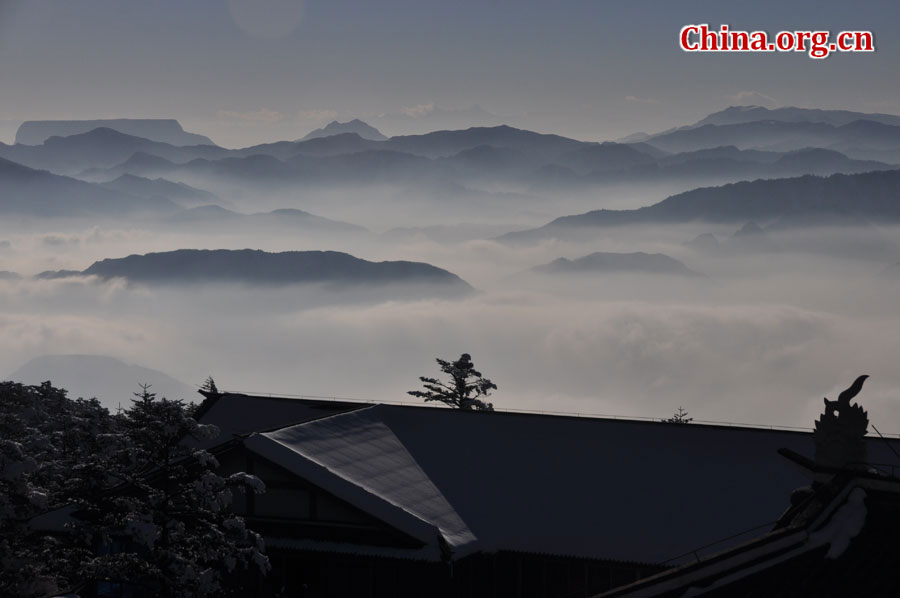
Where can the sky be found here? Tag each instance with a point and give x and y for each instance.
(762, 344)
(248, 71)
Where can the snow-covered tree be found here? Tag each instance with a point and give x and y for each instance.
(168, 526)
(148, 508)
(463, 391)
(44, 439)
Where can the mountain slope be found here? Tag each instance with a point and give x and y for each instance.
(99, 148)
(36, 132)
(604, 157)
(192, 266)
(447, 143)
(178, 192)
(872, 196)
(622, 263)
(29, 192)
(742, 114)
(364, 130)
(860, 139)
(213, 218)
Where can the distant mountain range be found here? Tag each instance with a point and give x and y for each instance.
(433, 117)
(357, 126)
(336, 270)
(750, 238)
(739, 143)
(213, 218)
(30, 193)
(36, 132)
(792, 202)
(448, 143)
(526, 159)
(99, 148)
(743, 114)
(139, 164)
(180, 193)
(108, 379)
(860, 139)
(618, 263)
(37, 193)
(324, 158)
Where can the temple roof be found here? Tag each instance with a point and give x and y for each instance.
(584, 487)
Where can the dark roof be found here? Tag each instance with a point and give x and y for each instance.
(583, 487)
(236, 414)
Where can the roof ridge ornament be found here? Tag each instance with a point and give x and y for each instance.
(840, 431)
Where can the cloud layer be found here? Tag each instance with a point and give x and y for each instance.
(761, 341)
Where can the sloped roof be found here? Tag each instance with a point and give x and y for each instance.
(584, 487)
(358, 457)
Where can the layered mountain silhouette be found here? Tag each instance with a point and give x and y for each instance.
(743, 114)
(36, 132)
(620, 263)
(840, 198)
(454, 163)
(347, 158)
(751, 237)
(266, 172)
(433, 117)
(847, 237)
(178, 192)
(860, 139)
(606, 158)
(356, 126)
(447, 143)
(705, 243)
(332, 145)
(709, 152)
(99, 148)
(139, 164)
(213, 218)
(255, 267)
(28, 192)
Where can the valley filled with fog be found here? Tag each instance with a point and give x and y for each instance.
(768, 295)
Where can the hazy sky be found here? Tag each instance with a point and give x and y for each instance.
(763, 342)
(243, 71)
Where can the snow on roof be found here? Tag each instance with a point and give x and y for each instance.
(593, 488)
(357, 450)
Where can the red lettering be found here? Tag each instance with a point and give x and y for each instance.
(685, 38)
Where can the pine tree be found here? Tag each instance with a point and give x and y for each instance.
(209, 387)
(149, 509)
(680, 417)
(465, 389)
(45, 437)
(168, 526)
